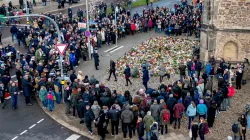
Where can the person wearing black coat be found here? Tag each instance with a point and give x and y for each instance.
(127, 74)
(114, 115)
(194, 129)
(135, 111)
(243, 123)
(105, 101)
(170, 104)
(73, 76)
(238, 78)
(211, 112)
(96, 59)
(101, 125)
(140, 128)
(89, 117)
(112, 70)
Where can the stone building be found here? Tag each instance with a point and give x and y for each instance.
(225, 30)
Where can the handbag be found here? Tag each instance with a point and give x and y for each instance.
(190, 133)
(54, 97)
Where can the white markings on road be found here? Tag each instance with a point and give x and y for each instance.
(73, 137)
(15, 138)
(116, 49)
(23, 132)
(40, 121)
(111, 49)
(32, 126)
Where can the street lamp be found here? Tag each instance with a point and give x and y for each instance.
(87, 24)
(116, 10)
(27, 10)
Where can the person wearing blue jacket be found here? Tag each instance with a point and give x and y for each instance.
(191, 112)
(208, 68)
(202, 109)
(145, 77)
(72, 59)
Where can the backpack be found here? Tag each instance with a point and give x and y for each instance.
(165, 116)
(235, 128)
(206, 129)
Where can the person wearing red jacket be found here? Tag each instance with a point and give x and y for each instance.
(132, 27)
(178, 113)
(230, 94)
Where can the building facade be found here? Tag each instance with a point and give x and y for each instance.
(225, 31)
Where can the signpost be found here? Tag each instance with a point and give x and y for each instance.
(61, 49)
(87, 33)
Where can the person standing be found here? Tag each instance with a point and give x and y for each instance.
(191, 113)
(164, 118)
(26, 89)
(42, 96)
(202, 128)
(140, 128)
(155, 111)
(101, 125)
(70, 14)
(178, 113)
(148, 120)
(2, 95)
(194, 129)
(127, 118)
(182, 69)
(50, 99)
(243, 123)
(211, 112)
(127, 74)
(238, 78)
(114, 116)
(145, 77)
(19, 77)
(89, 117)
(96, 59)
(202, 109)
(162, 72)
(13, 93)
(112, 70)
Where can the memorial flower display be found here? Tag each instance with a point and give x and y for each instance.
(168, 51)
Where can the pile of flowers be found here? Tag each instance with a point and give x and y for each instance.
(168, 51)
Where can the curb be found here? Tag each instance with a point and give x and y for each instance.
(65, 124)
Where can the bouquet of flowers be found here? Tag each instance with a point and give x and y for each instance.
(160, 50)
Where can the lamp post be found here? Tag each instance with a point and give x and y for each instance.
(87, 24)
(58, 35)
(116, 10)
(27, 10)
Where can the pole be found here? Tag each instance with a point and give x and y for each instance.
(27, 10)
(58, 35)
(116, 9)
(87, 24)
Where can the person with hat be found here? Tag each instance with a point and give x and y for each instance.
(178, 113)
(170, 104)
(202, 109)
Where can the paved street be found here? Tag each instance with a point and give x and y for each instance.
(30, 122)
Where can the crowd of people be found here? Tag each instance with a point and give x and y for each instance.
(150, 110)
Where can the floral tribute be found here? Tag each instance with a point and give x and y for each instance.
(168, 51)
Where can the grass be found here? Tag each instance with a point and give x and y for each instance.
(136, 3)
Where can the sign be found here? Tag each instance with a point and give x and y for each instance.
(82, 25)
(61, 48)
(87, 33)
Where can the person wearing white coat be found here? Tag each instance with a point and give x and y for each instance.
(200, 88)
(103, 35)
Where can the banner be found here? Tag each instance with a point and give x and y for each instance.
(82, 25)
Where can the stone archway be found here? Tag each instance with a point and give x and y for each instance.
(230, 52)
